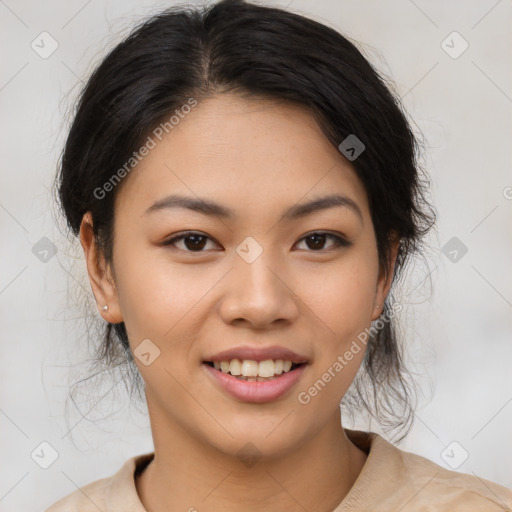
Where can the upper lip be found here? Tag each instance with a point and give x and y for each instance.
(258, 354)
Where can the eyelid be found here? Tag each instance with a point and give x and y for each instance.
(178, 237)
(341, 240)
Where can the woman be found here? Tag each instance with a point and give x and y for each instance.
(246, 192)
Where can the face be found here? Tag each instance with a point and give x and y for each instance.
(259, 275)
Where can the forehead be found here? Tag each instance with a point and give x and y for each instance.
(250, 154)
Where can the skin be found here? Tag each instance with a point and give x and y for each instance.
(257, 157)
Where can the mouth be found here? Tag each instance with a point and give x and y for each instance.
(256, 374)
(251, 381)
(250, 370)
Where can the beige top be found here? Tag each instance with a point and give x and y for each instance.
(391, 480)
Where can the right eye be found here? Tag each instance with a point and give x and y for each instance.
(192, 241)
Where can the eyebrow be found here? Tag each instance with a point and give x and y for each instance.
(208, 207)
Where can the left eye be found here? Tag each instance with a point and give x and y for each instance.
(196, 242)
(318, 240)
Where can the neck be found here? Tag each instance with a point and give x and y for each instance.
(185, 475)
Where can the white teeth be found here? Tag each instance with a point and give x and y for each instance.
(235, 367)
(266, 368)
(251, 370)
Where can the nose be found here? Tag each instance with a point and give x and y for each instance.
(258, 295)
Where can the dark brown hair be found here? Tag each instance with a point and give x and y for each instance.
(238, 47)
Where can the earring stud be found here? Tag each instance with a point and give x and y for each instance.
(105, 308)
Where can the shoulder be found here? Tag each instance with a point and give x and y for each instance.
(452, 490)
(116, 492)
(88, 498)
(393, 479)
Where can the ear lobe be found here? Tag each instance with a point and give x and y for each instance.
(102, 283)
(386, 277)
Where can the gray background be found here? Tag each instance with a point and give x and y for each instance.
(457, 315)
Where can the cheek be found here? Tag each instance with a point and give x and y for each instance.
(342, 295)
(342, 304)
(155, 294)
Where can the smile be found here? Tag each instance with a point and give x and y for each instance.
(252, 381)
(252, 371)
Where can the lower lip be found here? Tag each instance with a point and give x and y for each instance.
(254, 391)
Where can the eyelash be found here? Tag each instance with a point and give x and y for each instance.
(340, 242)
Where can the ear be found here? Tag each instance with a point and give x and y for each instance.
(385, 278)
(100, 274)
